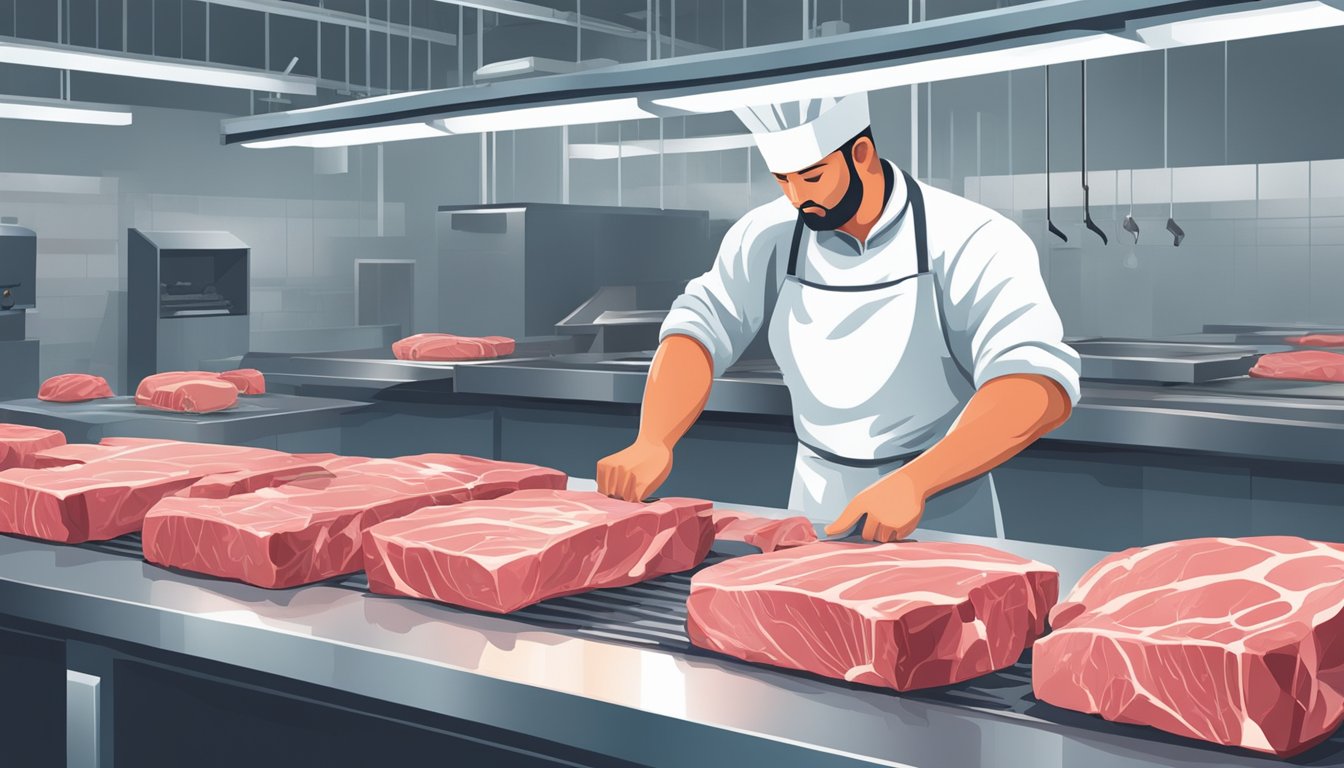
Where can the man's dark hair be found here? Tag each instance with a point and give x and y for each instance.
(848, 147)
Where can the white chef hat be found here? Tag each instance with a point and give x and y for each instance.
(797, 134)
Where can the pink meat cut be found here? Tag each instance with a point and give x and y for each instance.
(1317, 340)
(186, 392)
(905, 616)
(1235, 641)
(446, 347)
(74, 388)
(529, 546)
(83, 453)
(107, 496)
(19, 444)
(249, 381)
(765, 533)
(1306, 365)
(310, 529)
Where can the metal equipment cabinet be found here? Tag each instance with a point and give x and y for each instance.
(32, 711)
(83, 701)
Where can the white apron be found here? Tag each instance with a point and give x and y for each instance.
(873, 384)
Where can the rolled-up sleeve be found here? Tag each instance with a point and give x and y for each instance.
(723, 308)
(999, 317)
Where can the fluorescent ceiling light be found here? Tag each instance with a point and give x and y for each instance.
(58, 111)
(607, 151)
(377, 134)
(1089, 46)
(548, 116)
(646, 147)
(80, 59)
(1239, 25)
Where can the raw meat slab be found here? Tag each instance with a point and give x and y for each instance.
(907, 615)
(83, 453)
(764, 533)
(310, 529)
(107, 497)
(249, 381)
(74, 388)
(19, 444)
(447, 347)
(186, 392)
(1317, 340)
(1304, 365)
(1235, 641)
(529, 546)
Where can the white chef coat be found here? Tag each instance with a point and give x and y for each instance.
(986, 294)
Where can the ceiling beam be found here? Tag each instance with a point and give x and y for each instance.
(524, 10)
(779, 64)
(341, 18)
(33, 53)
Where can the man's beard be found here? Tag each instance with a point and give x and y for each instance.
(836, 216)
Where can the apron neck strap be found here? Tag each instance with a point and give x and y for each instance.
(916, 208)
(921, 230)
(793, 249)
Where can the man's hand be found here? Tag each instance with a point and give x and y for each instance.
(634, 473)
(893, 504)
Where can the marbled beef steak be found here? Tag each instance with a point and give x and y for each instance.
(447, 347)
(20, 444)
(105, 496)
(310, 529)
(1303, 365)
(906, 615)
(74, 388)
(529, 546)
(765, 533)
(186, 392)
(249, 381)
(1234, 641)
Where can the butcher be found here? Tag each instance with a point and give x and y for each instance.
(911, 325)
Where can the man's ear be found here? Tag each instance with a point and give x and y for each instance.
(864, 152)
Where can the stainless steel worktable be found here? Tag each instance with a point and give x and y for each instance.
(1244, 417)
(635, 694)
(254, 417)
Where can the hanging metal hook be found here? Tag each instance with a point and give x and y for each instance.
(1087, 210)
(1048, 223)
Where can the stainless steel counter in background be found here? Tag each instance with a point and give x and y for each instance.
(621, 691)
(1243, 417)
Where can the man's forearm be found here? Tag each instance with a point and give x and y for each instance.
(1003, 417)
(677, 390)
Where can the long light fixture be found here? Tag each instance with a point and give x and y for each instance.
(646, 147)
(60, 111)
(1240, 25)
(1026, 35)
(80, 59)
(1074, 48)
(547, 116)
(377, 134)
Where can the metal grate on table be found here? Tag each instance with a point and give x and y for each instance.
(652, 614)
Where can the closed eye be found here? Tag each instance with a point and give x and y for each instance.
(813, 179)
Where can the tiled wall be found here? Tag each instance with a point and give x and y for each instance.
(79, 264)
(81, 187)
(1262, 244)
(302, 267)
